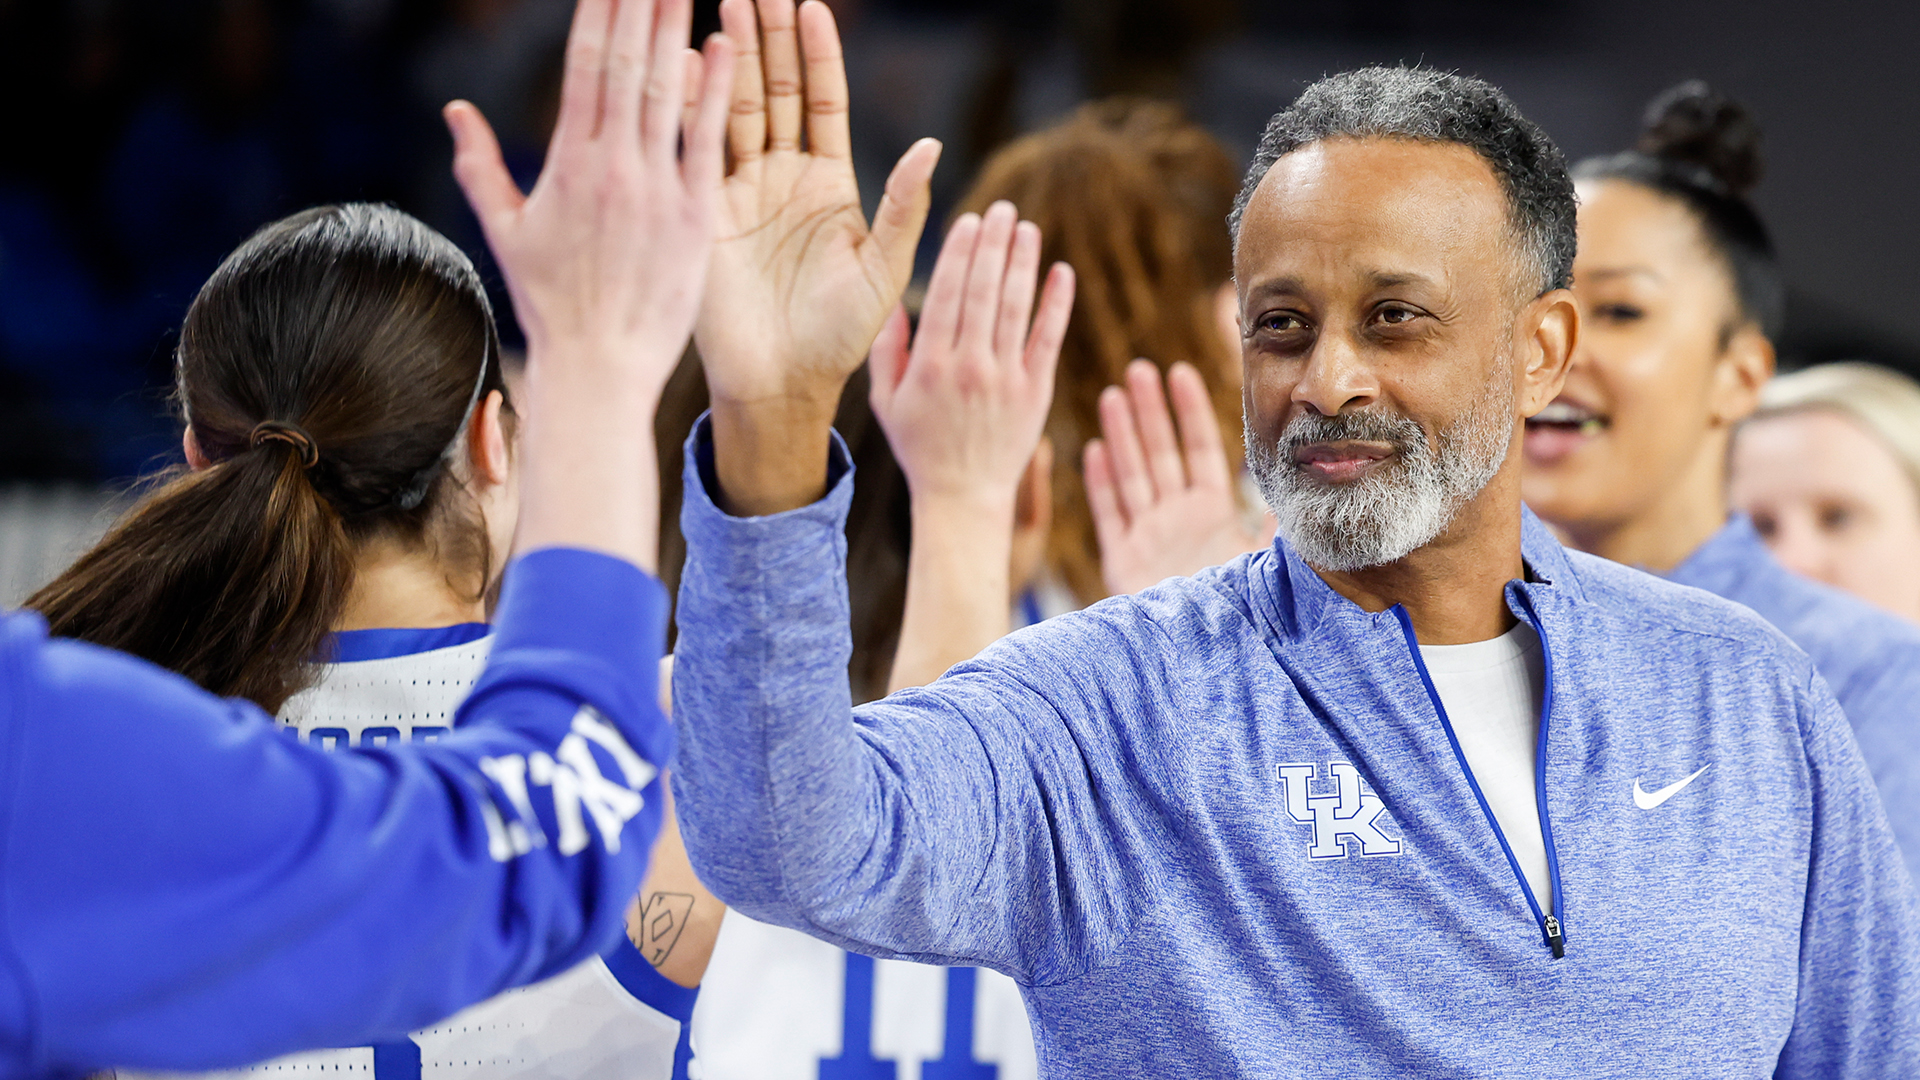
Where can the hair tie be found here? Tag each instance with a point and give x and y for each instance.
(279, 431)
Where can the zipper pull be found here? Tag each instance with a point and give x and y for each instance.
(1555, 941)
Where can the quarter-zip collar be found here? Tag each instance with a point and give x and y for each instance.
(1301, 605)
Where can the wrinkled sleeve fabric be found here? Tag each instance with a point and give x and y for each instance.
(186, 887)
(984, 820)
(1859, 1004)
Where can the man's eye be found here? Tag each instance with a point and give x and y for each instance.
(1279, 322)
(1397, 316)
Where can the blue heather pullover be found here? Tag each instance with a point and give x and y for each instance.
(1871, 658)
(1221, 829)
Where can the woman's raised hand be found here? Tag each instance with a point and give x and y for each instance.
(963, 405)
(610, 249)
(1162, 506)
(605, 260)
(800, 282)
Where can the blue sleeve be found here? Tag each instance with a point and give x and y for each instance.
(979, 821)
(182, 886)
(1860, 934)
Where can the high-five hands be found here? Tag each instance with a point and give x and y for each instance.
(800, 283)
(605, 260)
(964, 406)
(1162, 507)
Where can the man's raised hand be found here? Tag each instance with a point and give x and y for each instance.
(800, 283)
(1162, 506)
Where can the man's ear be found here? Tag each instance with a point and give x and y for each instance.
(1744, 367)
(1549, 331)
(487, 442)
(196, 457)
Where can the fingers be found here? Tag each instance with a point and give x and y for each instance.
(1016, 292)
(780, 63)
(478, 167)
(693, 85)
(586, 67)
(704, 162)
(1050, 326)
(887, 361)
(903, 210)
(624, 75)
(978, 316)
(665, 79)
(1103, 496)
(1206, 454)
(747, 111)
(826, 70)
(1157, 441)
(1122, 440)
(946, 289)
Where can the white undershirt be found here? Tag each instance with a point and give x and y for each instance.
(1492, 691)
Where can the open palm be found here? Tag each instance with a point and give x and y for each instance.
(1163, 505)
(800, 284)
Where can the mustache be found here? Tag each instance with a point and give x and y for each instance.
(1311, 427)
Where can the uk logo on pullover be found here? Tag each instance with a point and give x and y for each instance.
(1096, 807)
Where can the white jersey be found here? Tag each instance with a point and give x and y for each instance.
(779, 1005)
(606, 1019)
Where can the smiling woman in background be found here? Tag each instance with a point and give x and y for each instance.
(1682, 295)
(1829, 472)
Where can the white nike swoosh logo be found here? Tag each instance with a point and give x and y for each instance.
(1647, 800)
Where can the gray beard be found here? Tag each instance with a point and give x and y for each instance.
(1403, 504)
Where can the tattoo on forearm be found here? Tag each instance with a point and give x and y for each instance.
(661, 923)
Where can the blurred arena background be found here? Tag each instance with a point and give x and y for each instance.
(144, 138)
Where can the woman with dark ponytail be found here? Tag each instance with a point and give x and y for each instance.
(344, 401)
(329, 552)
(1682, 299)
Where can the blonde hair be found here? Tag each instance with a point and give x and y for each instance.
(1135, 197)
(1879, 399)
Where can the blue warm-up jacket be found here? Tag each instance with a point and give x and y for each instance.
(1222, 828)
(1871, 659)
(183, 886)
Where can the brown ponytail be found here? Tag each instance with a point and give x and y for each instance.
(327, 370)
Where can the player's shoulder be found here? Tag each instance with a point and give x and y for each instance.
(1629, 595)
(1836, 627)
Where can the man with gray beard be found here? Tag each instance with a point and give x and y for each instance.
(1415, 792)
(1382, 516)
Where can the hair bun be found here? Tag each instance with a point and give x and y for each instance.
(1697, 125)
